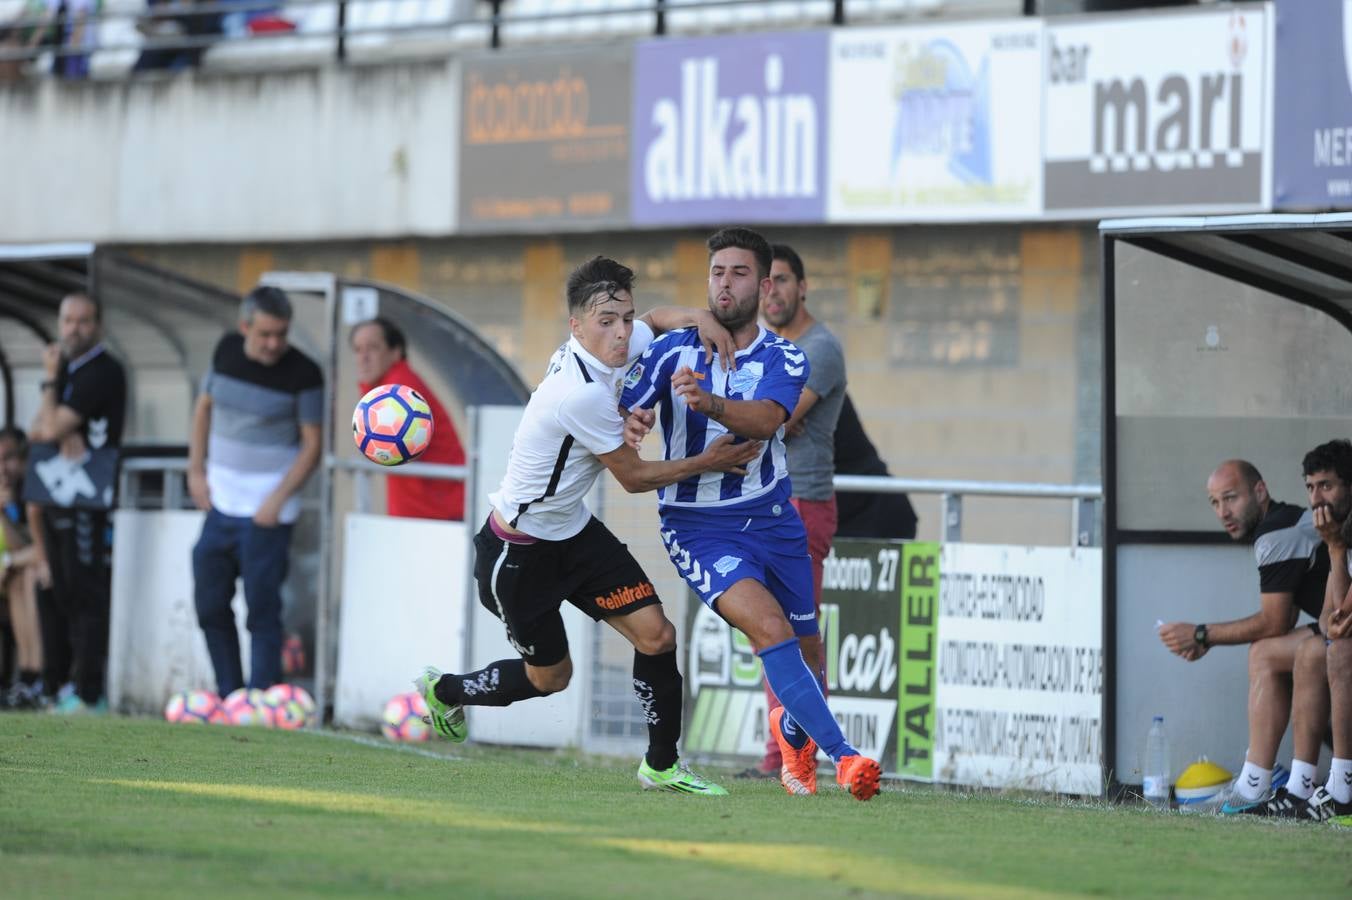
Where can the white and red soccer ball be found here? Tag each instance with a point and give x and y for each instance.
(247, 706)
(403, 718)
(392, 424)
(291, 707)
(195, 707)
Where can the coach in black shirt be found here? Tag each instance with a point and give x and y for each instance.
(1293, 567)
(83, 406)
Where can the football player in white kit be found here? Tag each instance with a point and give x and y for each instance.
(541, 546)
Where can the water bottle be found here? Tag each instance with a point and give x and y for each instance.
(1155, 772)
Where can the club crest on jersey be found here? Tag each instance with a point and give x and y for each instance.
(745, 379)
(634, 374)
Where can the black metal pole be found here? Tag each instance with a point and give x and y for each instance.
(495, 38)
(342, 31)
(660, 28)
(1108, 272)
(838, 13)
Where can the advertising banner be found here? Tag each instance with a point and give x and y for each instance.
(1019, 669)
(936, 122)
(1160, 113)
(730, 129)
(544, 141)
(1312, 137)
(961, 664)
(726, 705)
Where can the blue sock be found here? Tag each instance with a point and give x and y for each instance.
(793, 733)
(797, 689)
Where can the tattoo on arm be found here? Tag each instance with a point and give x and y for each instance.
(716, 408)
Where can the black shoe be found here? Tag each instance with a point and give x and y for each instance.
(1321, 806)
(1285, 805)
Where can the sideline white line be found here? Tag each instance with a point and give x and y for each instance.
(379, 743)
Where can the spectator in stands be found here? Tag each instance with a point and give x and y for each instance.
(809, 436)
(49, 25)
(255, 440)
(18, 573)
(167, 21)
(381, 354)
(75, 437)
(859, 514)
(1293, 570)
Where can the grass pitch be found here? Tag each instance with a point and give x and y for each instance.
(111, 807)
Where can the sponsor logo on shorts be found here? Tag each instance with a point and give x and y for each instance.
(622, 597)
(802, 617)
(727, 564)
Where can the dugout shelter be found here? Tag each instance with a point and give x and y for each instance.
(163, 327)
(1223, 337)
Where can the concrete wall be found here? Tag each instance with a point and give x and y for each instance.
(320, 153)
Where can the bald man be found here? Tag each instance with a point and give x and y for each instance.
(1293, 568)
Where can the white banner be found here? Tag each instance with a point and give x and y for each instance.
(402, 608)
(936, 122)
(1160, 112)
(1019, 668)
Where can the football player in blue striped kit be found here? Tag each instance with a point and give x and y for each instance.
(736, 538)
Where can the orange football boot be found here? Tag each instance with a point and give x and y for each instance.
(859, 775)
(798, 773)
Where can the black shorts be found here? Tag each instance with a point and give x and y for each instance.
(525, 585)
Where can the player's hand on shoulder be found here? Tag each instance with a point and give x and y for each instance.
(715, 337)
(725, 456)
(637, 426)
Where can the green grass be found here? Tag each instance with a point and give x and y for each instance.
(117, 807)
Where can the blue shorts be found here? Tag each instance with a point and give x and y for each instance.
(714, 552)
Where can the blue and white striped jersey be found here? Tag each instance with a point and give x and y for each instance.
(771, 368)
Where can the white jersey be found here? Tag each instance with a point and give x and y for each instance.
(572, 418)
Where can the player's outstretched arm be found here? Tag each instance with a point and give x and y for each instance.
(637, 475)
(755, 419)
(712, 334)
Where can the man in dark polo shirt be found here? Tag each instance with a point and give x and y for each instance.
(255, 440)
(1293, 567)
(84, 397)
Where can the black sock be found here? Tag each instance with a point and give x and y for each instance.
(657, 684)
(29, 676)
(496, 684)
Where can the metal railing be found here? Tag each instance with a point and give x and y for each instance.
(485, 27)
(1084, 512)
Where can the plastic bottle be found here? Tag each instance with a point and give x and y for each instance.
(1155, 771)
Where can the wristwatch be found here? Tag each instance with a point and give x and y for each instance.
(1199, 635)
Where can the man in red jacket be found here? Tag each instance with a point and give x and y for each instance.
(381, 356)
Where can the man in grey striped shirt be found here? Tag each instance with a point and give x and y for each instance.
(255, 440)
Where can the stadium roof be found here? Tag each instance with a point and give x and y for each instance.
(1304, 258)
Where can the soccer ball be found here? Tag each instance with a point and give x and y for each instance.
(291, 706)
(199, 707)
(392, 424)
(246, 706)
(403, 718)
(1201, 786)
